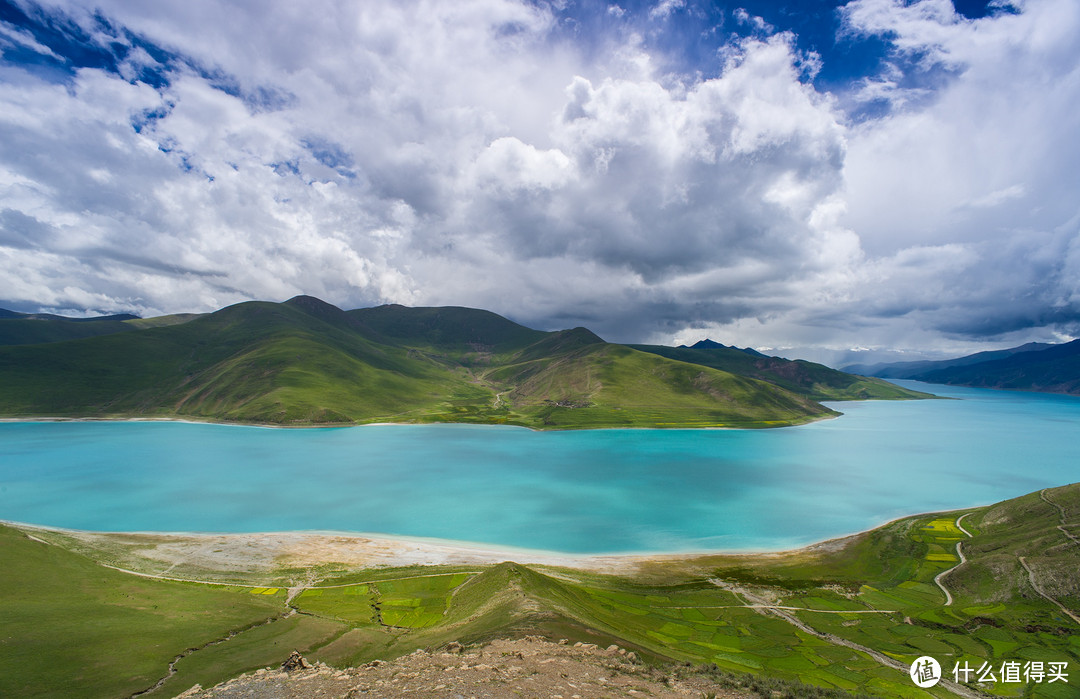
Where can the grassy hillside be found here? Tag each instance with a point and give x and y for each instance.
(31, 331)
(162, 321)
(73, 628)
(449, 328)
(42, 328)
(253, 362)
(851, 614)
(815, 381)
(613, 385)
(305, 362)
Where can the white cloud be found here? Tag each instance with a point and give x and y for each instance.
(986, 163)
(758, 23)
(468, 153)
(509, 166)
(663, 9)
(11, 36)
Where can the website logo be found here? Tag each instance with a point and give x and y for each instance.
(925, 672)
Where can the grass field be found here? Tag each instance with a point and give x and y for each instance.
(74, 628)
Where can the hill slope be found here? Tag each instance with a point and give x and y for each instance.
(1030, 367)
(306, 362)
(37, 328)
(849, 614)
(41, 328)
(253, 362)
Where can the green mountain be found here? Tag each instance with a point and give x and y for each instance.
(306, 362)
(815, 381)
(1031, 367)
(467, 331)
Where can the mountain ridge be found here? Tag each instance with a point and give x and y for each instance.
(1030, 367)
(306, 362)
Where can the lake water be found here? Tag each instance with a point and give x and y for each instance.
(582, 491)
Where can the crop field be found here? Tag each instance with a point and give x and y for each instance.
(417, 602)
(850, 617)
(408, 603)
(710, 625)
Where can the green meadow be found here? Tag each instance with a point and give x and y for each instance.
(828, 616)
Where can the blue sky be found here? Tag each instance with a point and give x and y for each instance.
(878, 173)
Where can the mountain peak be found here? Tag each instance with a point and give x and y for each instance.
(312, 305)
(583, 336)
(707, 344)
(445, 326)
(326, 312)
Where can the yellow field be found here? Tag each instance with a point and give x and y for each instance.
(943, 527)
(943, 557)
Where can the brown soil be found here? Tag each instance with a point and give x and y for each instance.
(528, 667)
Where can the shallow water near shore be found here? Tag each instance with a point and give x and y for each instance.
(596, 491)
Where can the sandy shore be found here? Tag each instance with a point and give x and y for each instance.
(199, 556)
(244, 551)
(306, 549)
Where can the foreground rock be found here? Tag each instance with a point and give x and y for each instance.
(530, 667)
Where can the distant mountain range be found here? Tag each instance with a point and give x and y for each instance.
(1031, 367)
(306, 362)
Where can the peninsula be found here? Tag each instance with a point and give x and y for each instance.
(305, 362)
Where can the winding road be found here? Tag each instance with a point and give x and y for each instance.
(1061, 513)
(940, 576)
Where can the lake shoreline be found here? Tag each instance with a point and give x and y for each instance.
(341, 425)
(373, 551)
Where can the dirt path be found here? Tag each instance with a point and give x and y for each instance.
(1048, 598)
(941, 576)
(292, 591)
(1031, 574)
(762, 606)
(1061, 513)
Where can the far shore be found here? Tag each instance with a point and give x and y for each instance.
(339, 425)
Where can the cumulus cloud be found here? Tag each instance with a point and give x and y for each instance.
(985, 164)
(477, 153)
(682, 194)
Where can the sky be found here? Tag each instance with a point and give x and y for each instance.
(882, 174)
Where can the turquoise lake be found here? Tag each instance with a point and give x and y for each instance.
(582, 491)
